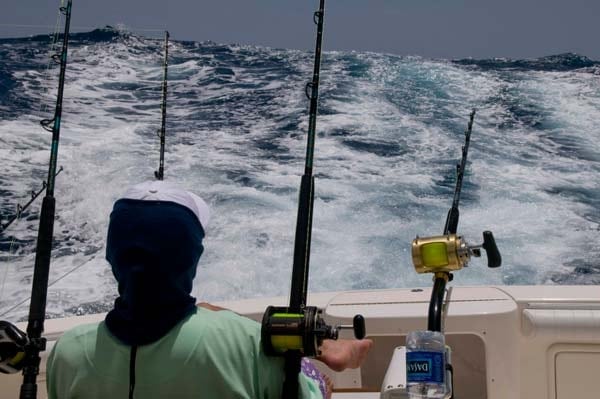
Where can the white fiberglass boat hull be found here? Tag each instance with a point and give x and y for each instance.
(527, 342)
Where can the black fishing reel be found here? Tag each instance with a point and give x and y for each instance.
(449, 253)
(12, 348)
(283, 331)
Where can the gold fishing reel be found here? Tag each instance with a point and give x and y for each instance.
(304, 331)
(449, 253)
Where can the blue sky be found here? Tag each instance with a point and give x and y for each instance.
(429, 28)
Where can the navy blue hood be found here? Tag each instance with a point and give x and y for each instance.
(153, 248)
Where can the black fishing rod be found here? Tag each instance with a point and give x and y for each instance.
(434, 320)
(298, 330)
(300, 268)
(159, 174)
(32, 344)
(37, 308)
(442, 255)
(453, 214)
(445, 254)
(22, 208)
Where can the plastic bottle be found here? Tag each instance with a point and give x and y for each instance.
(426, 365)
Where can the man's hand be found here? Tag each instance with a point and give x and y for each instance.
(338, 355)
(341, 354)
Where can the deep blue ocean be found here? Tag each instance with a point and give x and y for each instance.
(389, 135)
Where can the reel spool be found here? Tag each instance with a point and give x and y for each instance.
(12, 348)
(284, 331)
(449, 253)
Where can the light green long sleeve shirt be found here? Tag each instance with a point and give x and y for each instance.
(210, 354)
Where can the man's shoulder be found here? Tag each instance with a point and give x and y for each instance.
(224, 317)
(82, 330)
(224, 324)
(71, 346)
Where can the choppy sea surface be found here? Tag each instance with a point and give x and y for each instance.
(389, 135)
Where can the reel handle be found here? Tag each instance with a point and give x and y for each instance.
(491, 249)
(358, 325)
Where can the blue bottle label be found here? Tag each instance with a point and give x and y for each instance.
(424, 366)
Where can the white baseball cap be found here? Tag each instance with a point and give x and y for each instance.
(159, 190)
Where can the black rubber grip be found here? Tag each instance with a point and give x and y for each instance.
(493, 254)
(359, 326)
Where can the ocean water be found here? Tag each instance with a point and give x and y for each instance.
(389, 134)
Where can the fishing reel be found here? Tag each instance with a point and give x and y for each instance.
(12, 348)
(449, 253)
(283, 331)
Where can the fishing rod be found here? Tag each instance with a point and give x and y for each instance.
(434, 320)
(453, 214)
(159, 174)
(298, 330)
(22, 208)
(28, 347)
(442, 255)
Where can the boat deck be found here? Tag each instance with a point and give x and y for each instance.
(535, 342)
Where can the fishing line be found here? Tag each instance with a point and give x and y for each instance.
(52, 59)
(80, 28)
(6, 269)
(50, 284)
(15, 218)
(22, 208)
(44, 106)
(43, 110)
(10, 252)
